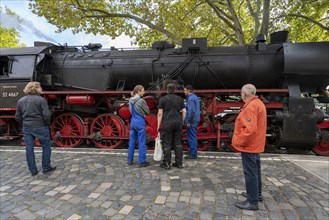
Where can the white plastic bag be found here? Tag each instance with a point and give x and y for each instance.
(158, 149)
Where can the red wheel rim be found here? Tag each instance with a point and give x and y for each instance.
(203, 144)
(107, 125)
(67, 125)
(322, 147)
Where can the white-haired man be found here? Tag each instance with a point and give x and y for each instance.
(249, 139)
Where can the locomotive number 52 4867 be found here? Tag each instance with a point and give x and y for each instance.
(9, 94)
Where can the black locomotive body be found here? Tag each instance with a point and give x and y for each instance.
(87, 89)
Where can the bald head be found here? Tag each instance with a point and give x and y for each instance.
(247, 92)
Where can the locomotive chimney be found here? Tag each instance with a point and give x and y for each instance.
(261, 42)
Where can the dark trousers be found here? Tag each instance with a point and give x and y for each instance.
(252, 175)
(171, 134)
(43, 135)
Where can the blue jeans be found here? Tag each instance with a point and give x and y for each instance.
(43, 135)
(191, 139)
(252, 175)
(137, 130)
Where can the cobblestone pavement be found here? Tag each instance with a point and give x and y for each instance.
(98, 184)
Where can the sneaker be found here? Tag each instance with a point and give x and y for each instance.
(50, 170)
(260, 198)
(130, 163)
(189, 157)
(145, 164)
(177, 166)
(165, 166)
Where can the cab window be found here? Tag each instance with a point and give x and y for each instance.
(4, 66)
(22, 66)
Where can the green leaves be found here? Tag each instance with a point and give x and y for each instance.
(9, 38)
(223, 22)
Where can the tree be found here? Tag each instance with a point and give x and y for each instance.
(223, 22)
(306, 20)
(9, 36)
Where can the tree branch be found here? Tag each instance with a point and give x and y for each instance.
(237, 24)
(220, 2)
(227, 22)
(218, 10)
(255, 15)
(306, 18)
(197, 5)
(105, 14)
(266, 17)
(230, 37)
(251, 9)
(218, 13)
(212, 27)
(324, 19)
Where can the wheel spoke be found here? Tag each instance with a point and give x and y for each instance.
(57, 128)
(109, 125)
(98, 123)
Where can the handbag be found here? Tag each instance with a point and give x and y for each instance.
(158, 149)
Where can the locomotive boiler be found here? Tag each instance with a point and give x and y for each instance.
(88, 87)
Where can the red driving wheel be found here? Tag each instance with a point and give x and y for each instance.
(105, 128)
(322, 147)
(67, 125)
(152, 125)
(151, 129)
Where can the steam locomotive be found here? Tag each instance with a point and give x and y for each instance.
(87, 89)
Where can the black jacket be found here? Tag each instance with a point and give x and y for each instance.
(33, 111)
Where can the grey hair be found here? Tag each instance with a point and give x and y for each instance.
(249, 89)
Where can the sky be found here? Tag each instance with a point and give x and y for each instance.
(34, 28)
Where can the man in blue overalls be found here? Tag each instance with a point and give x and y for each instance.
(139, 110)
(191, 121)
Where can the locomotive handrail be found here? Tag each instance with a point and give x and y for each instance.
(106, 92)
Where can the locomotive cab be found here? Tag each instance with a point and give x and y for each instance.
(18, 67)
(16, 71)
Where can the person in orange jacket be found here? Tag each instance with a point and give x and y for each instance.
(249, 138)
